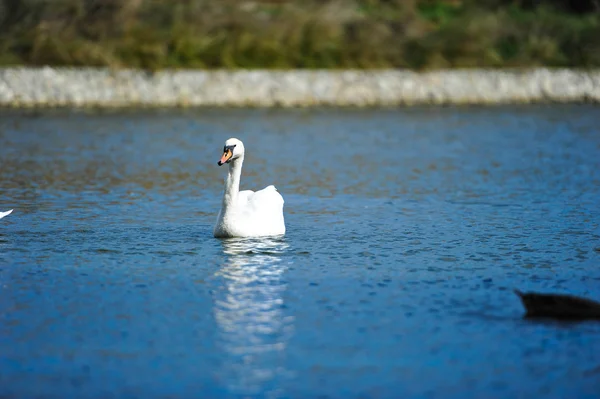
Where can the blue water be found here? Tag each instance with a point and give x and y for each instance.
(407, 231)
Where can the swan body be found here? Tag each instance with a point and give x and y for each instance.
(246, 213)
(2, 214)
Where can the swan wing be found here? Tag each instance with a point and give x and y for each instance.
(268, 200)
(244, 197)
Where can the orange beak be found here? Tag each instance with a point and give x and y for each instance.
(226, 157)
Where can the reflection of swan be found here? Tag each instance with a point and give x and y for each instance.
(253, 326)
(2, 214)
(246, 213)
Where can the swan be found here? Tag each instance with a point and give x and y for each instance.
(2, 214)
(246, 213)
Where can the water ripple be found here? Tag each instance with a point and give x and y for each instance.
(407, 230)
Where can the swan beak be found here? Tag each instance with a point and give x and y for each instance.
(226, 157)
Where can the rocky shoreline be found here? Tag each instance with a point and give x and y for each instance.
(105, 88)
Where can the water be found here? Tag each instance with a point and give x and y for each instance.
(407, 231)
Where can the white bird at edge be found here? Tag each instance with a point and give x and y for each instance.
(246, 213)
(2, 214)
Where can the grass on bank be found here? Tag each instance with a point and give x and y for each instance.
(280, 34)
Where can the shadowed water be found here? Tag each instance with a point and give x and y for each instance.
(406, 232)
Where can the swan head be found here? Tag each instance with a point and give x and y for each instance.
(232, 150)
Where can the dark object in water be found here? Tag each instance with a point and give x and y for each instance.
(559, 306)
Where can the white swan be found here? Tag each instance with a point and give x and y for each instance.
(246, 213)
(2, 214)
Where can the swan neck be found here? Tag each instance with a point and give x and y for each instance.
(232, 184)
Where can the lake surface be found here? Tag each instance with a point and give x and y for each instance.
(407, 231)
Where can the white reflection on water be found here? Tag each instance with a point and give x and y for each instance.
(249, 311)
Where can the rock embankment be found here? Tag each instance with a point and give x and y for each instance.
(90, 87)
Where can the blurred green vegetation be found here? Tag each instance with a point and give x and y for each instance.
(280, 34)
